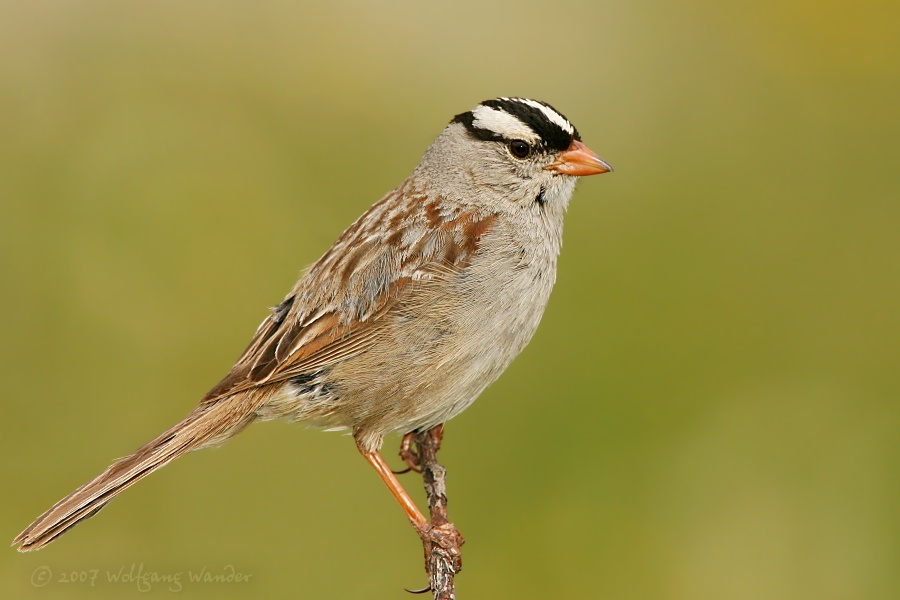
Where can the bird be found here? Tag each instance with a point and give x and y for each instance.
(402, 323)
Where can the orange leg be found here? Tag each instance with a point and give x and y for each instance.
(387, 476)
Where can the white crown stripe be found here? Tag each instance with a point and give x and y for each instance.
(502, 123)
(551, 114)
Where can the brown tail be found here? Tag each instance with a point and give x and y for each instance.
(208, 425)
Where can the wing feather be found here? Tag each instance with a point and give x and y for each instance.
(337, 309)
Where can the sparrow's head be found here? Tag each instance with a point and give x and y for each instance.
(525, 149)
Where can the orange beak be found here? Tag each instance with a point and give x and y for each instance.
(578, 160)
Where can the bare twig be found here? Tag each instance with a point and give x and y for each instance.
(443, 559)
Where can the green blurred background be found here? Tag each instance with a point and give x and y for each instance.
(709, 410)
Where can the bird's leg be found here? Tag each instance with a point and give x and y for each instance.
(409, 455)
(440, 538)
(437, 436)
(406, 503)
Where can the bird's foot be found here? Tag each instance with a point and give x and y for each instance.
(446, 536)
(443, 542)
(409, 456)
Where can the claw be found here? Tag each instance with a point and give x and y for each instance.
(424, 590)
(409, 455)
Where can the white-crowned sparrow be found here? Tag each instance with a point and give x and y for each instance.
(414, 310)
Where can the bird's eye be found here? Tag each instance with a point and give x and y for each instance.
(519, 148)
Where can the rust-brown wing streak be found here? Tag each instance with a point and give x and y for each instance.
(335, 310)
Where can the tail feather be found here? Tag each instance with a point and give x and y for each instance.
(208, 425)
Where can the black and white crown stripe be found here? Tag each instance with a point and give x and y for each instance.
(549, 112)
(519, 118)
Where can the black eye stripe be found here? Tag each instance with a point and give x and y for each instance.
(468, 119)
(554, 136)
